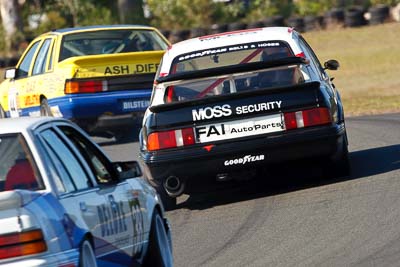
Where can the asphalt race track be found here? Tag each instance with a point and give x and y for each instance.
(294, 216)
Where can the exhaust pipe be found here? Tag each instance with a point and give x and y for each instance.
(174, 186)
(223, 177)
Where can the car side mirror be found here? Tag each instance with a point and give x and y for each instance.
(127, 169)
(10, 73)
(331, 64)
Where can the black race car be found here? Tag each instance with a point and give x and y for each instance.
(239, 101)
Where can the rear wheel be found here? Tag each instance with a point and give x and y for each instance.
(159, 252)
(340, 164)
(168, 202)
(87, 257)
(45, 108)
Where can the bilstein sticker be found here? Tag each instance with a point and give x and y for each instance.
(246, 159)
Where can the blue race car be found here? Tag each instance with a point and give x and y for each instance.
(64, 203)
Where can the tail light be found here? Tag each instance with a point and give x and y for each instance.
(20, 244)
(93, 86)
(307, 118)
(170, 139)
(185, 137)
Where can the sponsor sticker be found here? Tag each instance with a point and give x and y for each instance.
(135, 105)
(131, 69)
(239, 128)
(225, 110)
(13, 102)
(211, 112)
(244, 160)
(225, 49)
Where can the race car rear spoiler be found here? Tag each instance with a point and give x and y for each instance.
(313, 86)
(233, 69)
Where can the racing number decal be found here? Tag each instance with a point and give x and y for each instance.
(12, 103)
(138, 225)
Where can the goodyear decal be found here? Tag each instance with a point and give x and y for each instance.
(225, 49)
(244, 160)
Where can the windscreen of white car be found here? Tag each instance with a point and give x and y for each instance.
(111, 41)
(221, 57)
(17, 167)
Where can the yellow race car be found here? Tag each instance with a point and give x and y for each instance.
(100, 77)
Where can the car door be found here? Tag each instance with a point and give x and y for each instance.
(77, 191)
(40, 82)
(121, 216)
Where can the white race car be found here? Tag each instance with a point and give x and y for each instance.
(64, 203)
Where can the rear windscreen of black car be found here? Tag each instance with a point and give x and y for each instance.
(183, 90)
(226, 56)
(230, 55)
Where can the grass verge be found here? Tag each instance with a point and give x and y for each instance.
(368, 78)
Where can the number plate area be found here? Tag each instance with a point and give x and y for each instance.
(239, 128)
(134, 105)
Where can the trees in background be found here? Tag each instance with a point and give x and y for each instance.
(12, 23)
(130, 12)
(24, 19)
(186, 14)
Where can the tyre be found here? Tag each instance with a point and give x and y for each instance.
(312, 23)
(87, 257)
(218, 28)
(197, 32)
(159, 253)
(334, 16)
(45, 108)
(236, 26)
(354, 17)
(297, 23)
(256, 24)
(168, 202)
(275, 21)
(340, 165)
(166, 33)
(379, 14)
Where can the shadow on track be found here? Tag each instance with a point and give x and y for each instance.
(123, 137)
(290, 177)
(375, 161)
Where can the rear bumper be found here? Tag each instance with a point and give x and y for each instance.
(64, 258)
(103, 110)
(197, 162)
